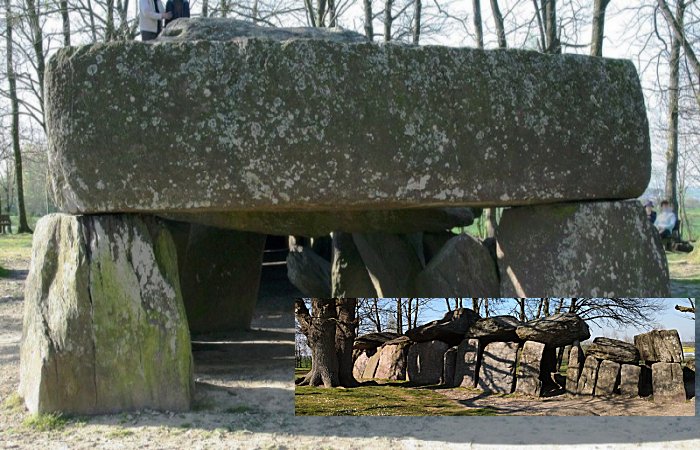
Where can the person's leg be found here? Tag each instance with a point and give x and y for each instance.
(666, 234)
(148, 35)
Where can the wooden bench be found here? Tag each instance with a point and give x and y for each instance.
(5, 224)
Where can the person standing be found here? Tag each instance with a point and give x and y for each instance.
(178, 9)
(151, 15)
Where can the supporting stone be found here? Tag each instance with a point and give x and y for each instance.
(349, 277)
(391, 261)
(667, 380)
(573, 372)
(467, 363)
(448, 367)
(629, 380)
(536, 361)
(392, 362)
(598, 249)
(498, 365)
(589, 376)
(371, 366)
(309, 272)
(358, 368)
(463, 265)
(425, 362)
(608, 378)
(105, 328)
(220, 278)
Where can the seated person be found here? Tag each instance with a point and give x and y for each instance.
(651, 214)
(178, 9)
(665, 220)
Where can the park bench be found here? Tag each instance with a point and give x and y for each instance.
(675, 242)
(5, 224)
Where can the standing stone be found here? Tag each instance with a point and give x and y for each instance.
(667, 380)
(589, 376)
(609, 247)
(451, 328)
(573, 372)
(659, 346)
(467, 363)
(449, 363)
(556, 330)
(608, 378)
(105, 328)
(534, 372)
(371, 366)
(629, 380)
(309, 272)
(496, 328)
(425, 362)
(391, 261)
(613, 350)
(461, 266)
(689, 378)
(220, 278)
(433, 242)
(358, 368)
(498, 365)
(392, 362)
(349, 277)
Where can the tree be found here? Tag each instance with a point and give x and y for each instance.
(598, 27)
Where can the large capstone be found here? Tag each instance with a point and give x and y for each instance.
(451, 328)
(371, 341)
(105, 328)
(497, 328)
(659, 346)
(306, 121)
(556, 330)
(601, 249)
(614, 350)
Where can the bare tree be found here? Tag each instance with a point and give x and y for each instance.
(598, 28)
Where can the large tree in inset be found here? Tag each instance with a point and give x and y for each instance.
(330, 332)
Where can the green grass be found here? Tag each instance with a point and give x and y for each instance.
(13, 402)
(383, 400)
(45, 422)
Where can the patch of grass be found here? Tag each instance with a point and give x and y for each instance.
(120, 432)
(13, 402)
(383, 400)
(239, 409)
(45, 422)
(186, 425)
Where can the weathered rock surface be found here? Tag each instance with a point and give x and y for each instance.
(608, 378)
(496, 328)
(448, 368)
(530, 373)
(498, 366)
(462, 266)
(391, 261)
(349, 277)
(105, 328)
(589, 376)
(614, 350)
(309, 272)
(667, 380)
(467, 363)
(573, 372)
(659, 346)
(425, 362)
(433, 242)
(452, 328)
(601, 249)
(320, 223)
(371, 366)
(358, 368)
(629, 380)
(220, 277)
(392, 362)
(371, 341)
(556, 330)
(261, 107)
(689, 378)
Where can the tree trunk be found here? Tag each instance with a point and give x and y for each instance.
(205, 8)
(671, 188)
(14, 102)
(388, 19)
(417, 5)
(345, 338)
(498, 19)
(65, 18)
(331, 13)
(320, 332)
(598, 27)
(38, 47)
(369, 30)
(478, 26)
(549, 8)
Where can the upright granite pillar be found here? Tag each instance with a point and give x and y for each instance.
(105, 328)
(220, 277)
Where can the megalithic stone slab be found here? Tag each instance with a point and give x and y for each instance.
(349, 277)
(667, 381)
(309, 272)
(659, 346)
(467, 363)
(573, 372)
(608, 378)
(589, 376)
(392, 362)
(597, 249)
(358, 368)
(449, 365)
(105, 328)
(220, 278)
(271, 121)
(534, 371)
(498, 365)
(371, 366)
(629, 380)
(613, 350)
(425, 362)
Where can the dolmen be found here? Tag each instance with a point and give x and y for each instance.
(309, 132)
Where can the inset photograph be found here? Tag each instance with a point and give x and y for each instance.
(495, 357)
